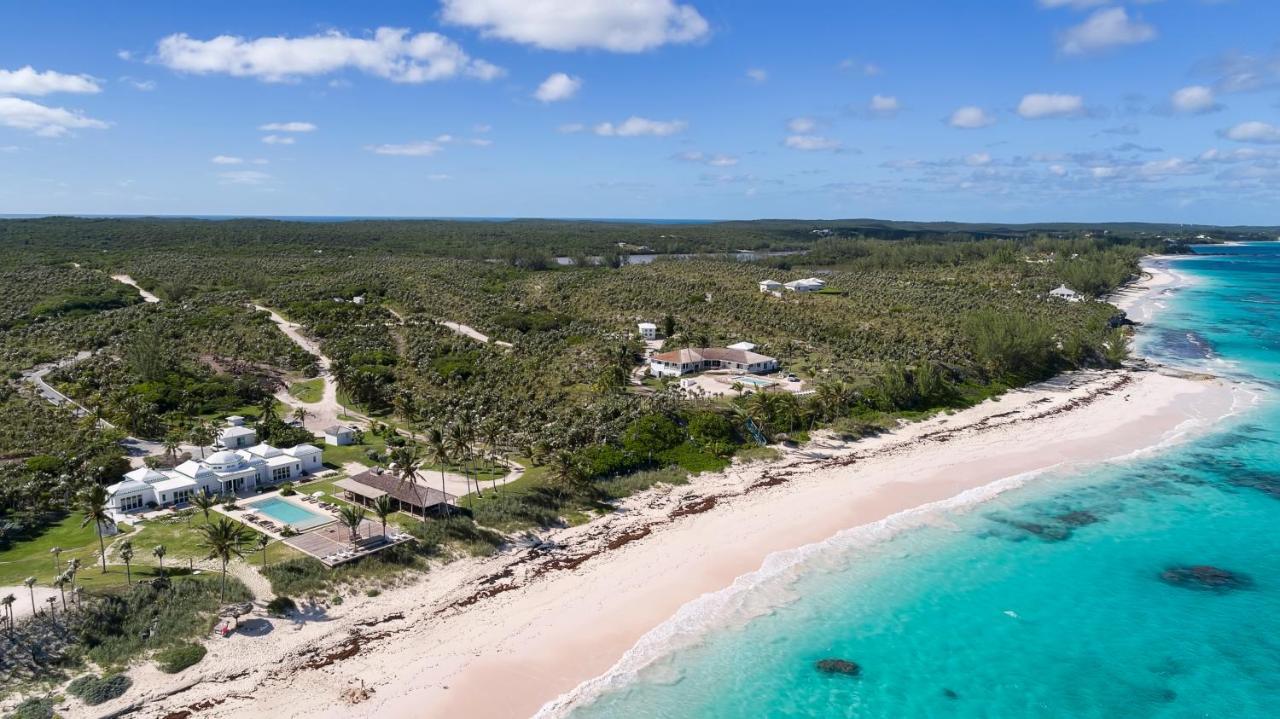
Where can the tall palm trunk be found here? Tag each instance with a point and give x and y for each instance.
(102, 546)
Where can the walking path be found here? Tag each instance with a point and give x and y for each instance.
(146, 296)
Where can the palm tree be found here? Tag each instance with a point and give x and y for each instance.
(300, 415)
(267, 409)
(438, 453)
(202, 435)
(383, 508)
(126, 553)
(94, 505)
(565, 473)
(352, 515)
(263, 542)
(407, 463)
(224, 539)
(172, 443)
(204, 501)
(57, 558)
(342, 377)
(458, 440)
(489, 435)
(53, 612)
(7, 602)
(60, 582)
(73, 568)
(30, 583)
(158, 552)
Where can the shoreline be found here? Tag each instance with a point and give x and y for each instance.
(544, 625)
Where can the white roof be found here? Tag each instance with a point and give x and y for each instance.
(237, 431)
(770, 282)
(1063, 290)
(280, 460)
(174, 483)
(648, 326)
(145, 474)
(338, 429)
(192, 468)
(303, 450)
(264, 450)
(226, 456)
(129, 485)
(744, 346)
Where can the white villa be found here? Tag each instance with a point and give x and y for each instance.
(1066, 293)
(648, 330)
(681, 362)
(235, 435)
(221, 472)
(809, 284)
(339, 435)
(771, 286)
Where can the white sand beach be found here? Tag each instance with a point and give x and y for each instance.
(506, 635)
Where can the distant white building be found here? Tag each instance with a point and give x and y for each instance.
(771, 286)
(681, 362)
(235, 435)
(339, 435)
(1065, 293)
(225, 471)
(809, 284)
(648, 330)
(744, 346)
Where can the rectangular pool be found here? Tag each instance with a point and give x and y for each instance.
(286, 512)
(754, 381)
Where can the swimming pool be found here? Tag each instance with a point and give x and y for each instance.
(754, 381)
(286, 512)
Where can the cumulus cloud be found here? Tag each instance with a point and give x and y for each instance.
(713, 160)
(422, 148)
(802, 125)
(1041, 105)
(812, 143)
(757, 75)
(28, 81)
(1261, 133)
(226, 160)
(390, 53)
(614, 25)
(1104, 29)
(558, 86)
(636, 126)
(884, 104)
(43, 120)
(288, 127)
(1195, 99)
(971, 117)
(279, 140)
(243, 177)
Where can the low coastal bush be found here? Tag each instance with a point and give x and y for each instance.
(33, 708)
(287, 490)
(281, 606)
(94, 690)
(628, 484)
(693, 459)
(179, 657)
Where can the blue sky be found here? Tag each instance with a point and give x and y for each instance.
(1004, 110)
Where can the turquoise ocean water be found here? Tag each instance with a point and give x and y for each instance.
(1047, 601)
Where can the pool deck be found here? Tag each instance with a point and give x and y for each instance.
(332, 544)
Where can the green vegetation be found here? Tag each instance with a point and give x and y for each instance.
(309, 391)
(94, 690)
(179, 657)
(33, 708)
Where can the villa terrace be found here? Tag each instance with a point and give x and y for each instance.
(333, 544)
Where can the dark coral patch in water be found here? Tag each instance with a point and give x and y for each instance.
(1078, 518)
(1205, 577)
(1268, 484)
(950, 694)
(839, 666)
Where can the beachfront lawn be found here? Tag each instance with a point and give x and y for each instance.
(308, 391)
(338, 457)
(31, 558)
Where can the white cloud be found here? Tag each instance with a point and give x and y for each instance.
(978, 159)
(558, 86)
(1075, 4)
(140, 85)
(802, 125)
(714, 160)
(288, 127)
(884, 104)
(279, 140)
(635, 126)
(971, 117)
(28, 81)
(243, 177)
(1261, 133)
(615, 25)
(1104, 29)
(422, 148)
(1194, 99)
(1057, 170)
(870, 69)
(757, 75)
(226, 160)
(390, 53)
(1040, 105)
(42, 120)
(812, 143)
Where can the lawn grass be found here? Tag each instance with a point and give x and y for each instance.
(308, 391)
(31, 557)
(337, 457)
